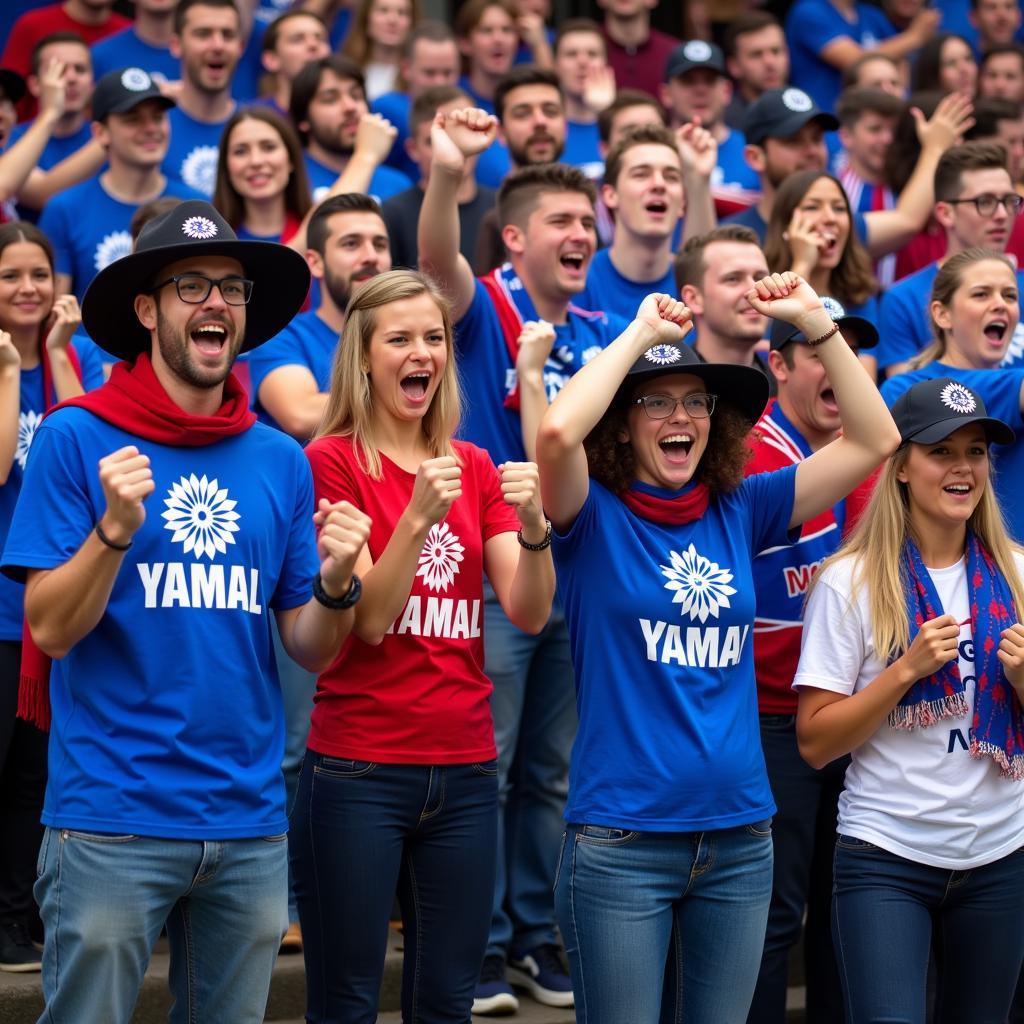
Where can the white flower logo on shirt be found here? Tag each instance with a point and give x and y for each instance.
(698, 584)
(199, 169)
(958, 398)
(440, 557)
(662, 355)
(201, 515)
(27, 424)
(112, 248)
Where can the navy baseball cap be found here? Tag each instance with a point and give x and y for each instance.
(933, 409)
(694, 54)
(119, 91)
(781, 113)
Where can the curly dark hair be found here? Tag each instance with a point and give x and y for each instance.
(611, 462)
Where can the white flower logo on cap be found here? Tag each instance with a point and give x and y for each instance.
(697, 50)
(136, 80)
(833, 307)
(797, 100)
(662, 355)
(199, 227)
(958, 398)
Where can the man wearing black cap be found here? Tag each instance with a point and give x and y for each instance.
(181, 522)
(785, 132)
(802, 419)
(88, 224)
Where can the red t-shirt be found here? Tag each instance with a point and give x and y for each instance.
(643, 67)
(43, 21)
(421, 696)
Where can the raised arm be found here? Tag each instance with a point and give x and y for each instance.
(66, 317)
(576, 410)
(698, 152)
(869, 433)
(454, 139)
(535, 341)
(889, 230)
(843, 52)
(10, 402)
(20, 160)
(290, 394)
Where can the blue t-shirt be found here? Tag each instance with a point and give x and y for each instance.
(386, 181)
(395, 106)
(660, 625)
(1000, 391)
(125, 49)
(905, 325)
(32, 409)
(810, 26)
(607, 289)
(90, 229)
(307, 341)
(489, 376)
(56, 149)
(732, 169)
(192, 154)
(582, 150)
(493, 165)
(167, 720)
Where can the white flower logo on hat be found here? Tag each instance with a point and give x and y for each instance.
(135, 79)
(833, 307)
(958, 398)
(111, 248)
(662, 355)
(440, 557)
(697, 50)
(699, 585)
(199, 169)
(199, 227)
(27, 424)
(797, 100)
(201, 515)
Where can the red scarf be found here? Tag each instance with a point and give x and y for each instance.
(683, 508)
(133, 400)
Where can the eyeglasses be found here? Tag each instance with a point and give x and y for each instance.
(986, 203)
(660, 407)
(196, 288)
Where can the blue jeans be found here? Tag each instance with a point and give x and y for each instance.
(359, 830)
(664, 926)
(104, 898)
(804, 839)
(534, 708)
(888, 913)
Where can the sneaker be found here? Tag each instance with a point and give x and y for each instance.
(542, 973)
(17, 954)
(291, 941)
(494, 995)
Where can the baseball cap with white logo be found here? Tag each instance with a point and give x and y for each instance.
(781, 113)
(694, 54)
(119, 91)
(933, 409)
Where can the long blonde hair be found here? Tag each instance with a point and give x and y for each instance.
(350, 411)
(876, 546)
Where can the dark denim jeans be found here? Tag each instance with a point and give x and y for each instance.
(888, 913)
(804, 836)
(359, 831)
(664, 926)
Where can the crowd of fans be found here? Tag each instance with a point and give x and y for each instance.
(445, 341)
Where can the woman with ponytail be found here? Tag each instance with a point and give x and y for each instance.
(913, 661)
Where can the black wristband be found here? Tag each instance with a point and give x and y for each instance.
(110, 544)
(543, 545)
(338, 604)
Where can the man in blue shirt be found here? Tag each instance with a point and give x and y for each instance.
(757, 59)
(290, 42)
(208, 41)
(147, 44)
(327, 105)
(89, 223)
(182, 524)
(977, 206)
(548, 226)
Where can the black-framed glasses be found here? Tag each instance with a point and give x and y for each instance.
(986, 203)
(196, 288)
(659, 407)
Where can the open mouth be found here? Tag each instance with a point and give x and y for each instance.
(828, 399)
(209, 338)
(958, 490)
(657, 206)
(830, 243)
(676, 447)
(415, 385)
(996, 331)
(573, 261)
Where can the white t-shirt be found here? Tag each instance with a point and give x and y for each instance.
(916, 793)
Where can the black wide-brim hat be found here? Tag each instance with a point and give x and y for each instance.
(743, 387)
(192, 228)
(12, 85)
(931, 410)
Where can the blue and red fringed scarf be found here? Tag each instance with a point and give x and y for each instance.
(996, 727)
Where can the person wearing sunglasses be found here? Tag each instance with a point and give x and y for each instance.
(977, 206)
(669, 837)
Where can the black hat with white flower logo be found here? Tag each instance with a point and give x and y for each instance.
(694, 54)
(781, 113)
(856, 329)
(933, 409)
(119, 91)
(193, 228)
(744, 387)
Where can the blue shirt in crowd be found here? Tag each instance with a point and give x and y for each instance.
(581, 149)
(609, 290)
(125, 49)
(192, 155)
(386, 181)
(396, 106)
